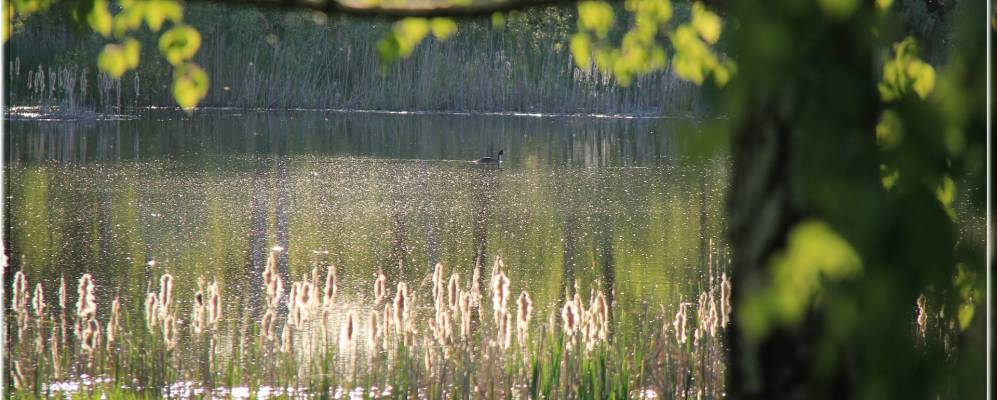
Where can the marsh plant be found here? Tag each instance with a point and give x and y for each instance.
(404, 343)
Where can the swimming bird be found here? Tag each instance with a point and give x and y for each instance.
(489, 160)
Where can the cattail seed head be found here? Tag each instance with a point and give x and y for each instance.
(62, 292)
(401, 308)
(286, 339)
(437, 282)
(476, 286)
(214, 304)
(151, 310)
(266, 325)
(86, 306)
(113, 322)
(724, 300)
(380, 288)
(679, 324)
(19, 301)
(165, 295)
(504, 338)
(465, 315)
(170, 331)
(569, 318)
(38, 302)
(349, 327)
(90, 339)
(524, 309)
(373, 329)
(329, 295)
(500, 294)
(453, 291)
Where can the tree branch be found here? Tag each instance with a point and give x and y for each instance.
(436, 9)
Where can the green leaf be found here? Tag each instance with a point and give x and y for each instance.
(132, 51)
(99, 18)
(906, 73)
(190, 85)
(814, 253)
(838, 9)
(498, 20)
(112, 60)
(158, 11)
(595, 16)
(443, 28)
(116, 59)
(179, 44)
(889, 130)
(581, 49)
(706, 23)
(410, 32)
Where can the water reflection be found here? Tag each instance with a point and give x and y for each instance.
(577, 202)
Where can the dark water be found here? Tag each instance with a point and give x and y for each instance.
(613, 202)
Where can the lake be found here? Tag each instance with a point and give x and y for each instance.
(586, 204)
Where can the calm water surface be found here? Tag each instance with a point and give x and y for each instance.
(578, 202)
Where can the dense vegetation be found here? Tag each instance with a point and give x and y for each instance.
(299, 59)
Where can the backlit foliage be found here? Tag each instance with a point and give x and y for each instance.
(118, 22)
(643, 47)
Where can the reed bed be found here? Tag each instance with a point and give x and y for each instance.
(462, 338)
(296, 60)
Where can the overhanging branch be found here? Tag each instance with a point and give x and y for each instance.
(441, 9)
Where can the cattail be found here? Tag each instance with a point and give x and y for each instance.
(113, 322)
(305, 301)
(600, 314)
(438, 282)
(703, 313)
(465, 315)
(453, 291)
(329, 296)
(724, 300)
(19, 381)
(214, 304)
(500, 294)
(286, 339)
(476, 286)
(569, 318)
(170, 331)
(505, 331)
(62, 293)
(386, 323)
(86, 306)
(524, 309)
(373, 329)
(293, 311)
(711, 312)
(38, 302)
(313, 295)
(429, 358)
(165, 295)
(380, 289)
(151, 310)
(922, 314)
(679, 324)
(401, 308)
(266, 325)
(349, 328)
(19, 302)
(272, 280)
(197, 309)
(90, 336)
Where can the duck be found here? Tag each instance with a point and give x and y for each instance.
(489, 160)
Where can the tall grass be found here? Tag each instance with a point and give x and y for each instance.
(437, 343)
(295, 60)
